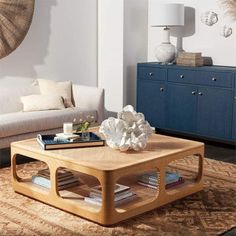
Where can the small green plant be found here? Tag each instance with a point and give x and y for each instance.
(83, 124)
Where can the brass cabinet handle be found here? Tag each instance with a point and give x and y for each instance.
(200, 93)
(193, 92)
(161, 89)
(150, 73)
(213, 79)
(181, 76)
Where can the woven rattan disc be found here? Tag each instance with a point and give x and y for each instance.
(15, 20)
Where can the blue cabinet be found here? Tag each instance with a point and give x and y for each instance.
(194, 100)
(181, 108)
(234, 117)
(152, 101)
(214, 112)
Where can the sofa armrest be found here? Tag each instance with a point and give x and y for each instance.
(89, 97)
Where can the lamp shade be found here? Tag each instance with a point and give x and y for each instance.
(171, 14)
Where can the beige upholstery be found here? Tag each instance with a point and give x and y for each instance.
(63, 89)
(81, 99)
(38, 102)
(26, 122)
(17, 125)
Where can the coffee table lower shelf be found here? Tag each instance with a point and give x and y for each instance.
(72, 199)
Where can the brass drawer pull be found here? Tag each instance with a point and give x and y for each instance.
(161, 89)
(151, 73)
(181, 76)
(200, 93)
(213, 79)
(193, 93)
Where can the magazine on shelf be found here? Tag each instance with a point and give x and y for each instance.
(44, 182)
(117, 198)
(98, 202)
(178, 182)
(118, 189)
(151, 179)
(62, 174)
(65, 178)
(122, 194)
(48, 141)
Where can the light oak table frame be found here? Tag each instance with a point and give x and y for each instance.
(108, 166)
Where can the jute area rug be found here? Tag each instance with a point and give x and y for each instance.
(209, 212)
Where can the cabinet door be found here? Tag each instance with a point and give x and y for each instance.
(181, 108)
(234, 118)
(151, 102)
(215, 112)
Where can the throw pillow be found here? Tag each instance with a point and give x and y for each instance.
(62, 89)
(42, 102)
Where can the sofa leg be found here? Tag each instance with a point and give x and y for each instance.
(5, 157)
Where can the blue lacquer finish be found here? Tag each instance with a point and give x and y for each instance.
(214, 112)
(234, 118)
(194, 100)
(151, 101)
(181, 108)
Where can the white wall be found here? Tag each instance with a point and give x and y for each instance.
(110, 52)
(122, 42)
(61, 44)
(205, 39)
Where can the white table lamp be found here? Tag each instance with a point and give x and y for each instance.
(166, 15)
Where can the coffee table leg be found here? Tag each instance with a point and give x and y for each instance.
(108, 206)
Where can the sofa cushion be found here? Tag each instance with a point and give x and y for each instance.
(36, 121)
(10, 96)
(63, 89)
(38, 102)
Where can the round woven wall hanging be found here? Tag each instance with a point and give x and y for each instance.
(15, 20)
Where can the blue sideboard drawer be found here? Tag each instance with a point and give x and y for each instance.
(182, 76)
(218, 79)
(152, 73)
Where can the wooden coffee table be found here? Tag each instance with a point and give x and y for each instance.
(109, 166)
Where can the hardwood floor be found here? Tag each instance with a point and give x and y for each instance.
(221, 152)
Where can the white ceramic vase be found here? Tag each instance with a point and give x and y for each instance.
(165, 53)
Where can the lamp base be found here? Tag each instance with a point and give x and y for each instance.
(165, 53)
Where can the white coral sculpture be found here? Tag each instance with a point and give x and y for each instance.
(129, 130)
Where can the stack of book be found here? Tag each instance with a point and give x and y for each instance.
(123, 194)
(65, 179)
(190, 59)
(150, 179)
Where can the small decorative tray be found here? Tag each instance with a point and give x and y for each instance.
(47, 141)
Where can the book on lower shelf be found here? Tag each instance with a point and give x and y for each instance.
(150, 179)
(123, 194)
(65, 179)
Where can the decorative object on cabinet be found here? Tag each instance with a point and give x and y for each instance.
(166, 15)
(209, 18)
(226, 31)
(15, 17)
(129, 131)
(230, 6)
(195, 101)
(189, 59)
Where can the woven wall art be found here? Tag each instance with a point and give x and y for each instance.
(15, 20)
(230, 6)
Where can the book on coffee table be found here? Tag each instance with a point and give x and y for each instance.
(48, 142)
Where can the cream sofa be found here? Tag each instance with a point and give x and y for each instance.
(17, 125)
